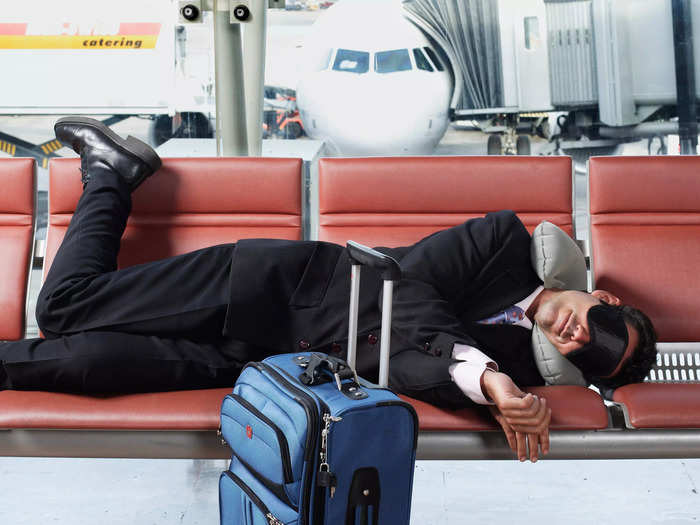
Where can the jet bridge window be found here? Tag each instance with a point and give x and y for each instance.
(351, 61)
(392, 61)
(421, 61)
(433, 56)
(532, 32)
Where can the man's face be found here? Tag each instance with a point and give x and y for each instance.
(563, 317)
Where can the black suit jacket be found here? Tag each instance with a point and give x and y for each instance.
(288, 296)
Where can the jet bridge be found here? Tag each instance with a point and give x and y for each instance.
(617, 70)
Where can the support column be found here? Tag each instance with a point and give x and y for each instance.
(254, 34)
(231, 132)
(685, 76)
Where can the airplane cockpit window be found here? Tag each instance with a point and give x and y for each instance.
(433, 56)
(351, 61)
(421, 61)
(392, 61)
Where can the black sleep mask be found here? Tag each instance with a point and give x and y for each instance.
(608, 332)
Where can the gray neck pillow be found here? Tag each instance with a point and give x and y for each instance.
(559, 263)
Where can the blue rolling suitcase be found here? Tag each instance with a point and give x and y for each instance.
(314, 444)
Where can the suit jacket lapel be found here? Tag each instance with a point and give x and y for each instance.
(505, 290)
(510, 346)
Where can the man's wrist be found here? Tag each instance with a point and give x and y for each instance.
(484, 382)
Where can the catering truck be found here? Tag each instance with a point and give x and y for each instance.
(111, 59)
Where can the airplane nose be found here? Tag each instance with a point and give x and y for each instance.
(373, 118)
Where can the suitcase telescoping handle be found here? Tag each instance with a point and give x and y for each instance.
(390, 271)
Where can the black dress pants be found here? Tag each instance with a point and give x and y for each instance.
(151, 327)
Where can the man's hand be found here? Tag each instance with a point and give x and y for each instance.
(523, 417)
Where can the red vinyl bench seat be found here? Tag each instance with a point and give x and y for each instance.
(193, 410)
(397, 201)
(210, 201)
(189, 204)
(16, 231)
(661, 405)
(645, 245)
(573, 408)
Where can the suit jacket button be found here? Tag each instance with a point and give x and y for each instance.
(426, 346)
(336, 348)
(304, 345)
(372, 339)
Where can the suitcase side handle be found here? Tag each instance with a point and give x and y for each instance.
(390, 271)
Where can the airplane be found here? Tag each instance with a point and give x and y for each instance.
(375, 84)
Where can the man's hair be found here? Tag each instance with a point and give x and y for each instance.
(643, 356)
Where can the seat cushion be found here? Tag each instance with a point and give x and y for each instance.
(661, 405)
(180, 410)
(573, 408)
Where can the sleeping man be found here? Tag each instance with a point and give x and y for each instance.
(463, 312)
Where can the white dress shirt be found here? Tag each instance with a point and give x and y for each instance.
(467, 374)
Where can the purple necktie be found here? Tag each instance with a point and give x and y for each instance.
(510, 315)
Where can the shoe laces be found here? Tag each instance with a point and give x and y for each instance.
(84, 176)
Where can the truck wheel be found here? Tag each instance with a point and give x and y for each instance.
(194, 126)
(161, 130)
(293, 130)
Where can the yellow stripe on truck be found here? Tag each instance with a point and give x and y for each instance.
(117, 42)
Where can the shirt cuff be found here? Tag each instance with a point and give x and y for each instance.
(467, 374)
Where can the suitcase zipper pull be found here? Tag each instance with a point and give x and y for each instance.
(220, 435)
(325, 477)
(271, 520)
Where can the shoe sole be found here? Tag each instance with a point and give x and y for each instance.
(131, 145)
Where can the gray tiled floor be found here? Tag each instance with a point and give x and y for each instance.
(160, 492)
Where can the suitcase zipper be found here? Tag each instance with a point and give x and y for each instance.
(271, 519)
(325, 477)
(320, 507)
(281, 438)
(306, 401)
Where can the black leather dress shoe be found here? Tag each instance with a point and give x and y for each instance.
(131, 158)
